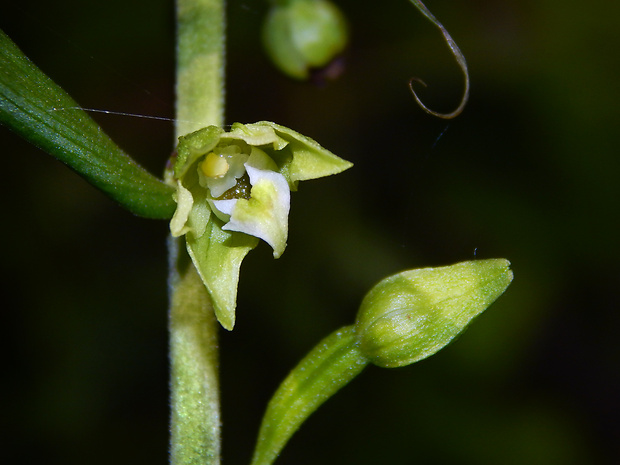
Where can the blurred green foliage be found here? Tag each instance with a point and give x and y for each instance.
(528, 172)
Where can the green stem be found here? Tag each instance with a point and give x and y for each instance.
(195, 417)
(330, 366)
(200, 64)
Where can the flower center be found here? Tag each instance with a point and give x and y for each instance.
(220, 170)
(241, 190)
(214, 166)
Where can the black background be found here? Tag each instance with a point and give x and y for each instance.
(528, 172)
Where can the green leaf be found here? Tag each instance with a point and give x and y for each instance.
(334, 362)
(33, 106)
(217, 255)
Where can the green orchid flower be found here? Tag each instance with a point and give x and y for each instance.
(233, 188)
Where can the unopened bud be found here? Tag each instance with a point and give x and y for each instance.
(303, 35)
(412, 315)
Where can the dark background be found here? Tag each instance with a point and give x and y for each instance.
(529, 172)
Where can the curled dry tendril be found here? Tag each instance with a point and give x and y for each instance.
(460, 59)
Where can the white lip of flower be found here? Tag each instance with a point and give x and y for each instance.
(265, 213)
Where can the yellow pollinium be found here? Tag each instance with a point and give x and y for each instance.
(214, 166)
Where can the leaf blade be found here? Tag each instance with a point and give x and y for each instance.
(30, 104)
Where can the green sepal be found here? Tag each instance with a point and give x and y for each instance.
(333, 362)
(309, 160)
(299, 158)
(33, 106)
(217, 255)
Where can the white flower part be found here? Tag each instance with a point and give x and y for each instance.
(185, 201)
(265, 214)
(224, 207)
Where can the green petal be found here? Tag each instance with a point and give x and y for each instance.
(217, 255)
(256, 134)
(193, 146)
(193, 210)
(185, 201)
(298, 157)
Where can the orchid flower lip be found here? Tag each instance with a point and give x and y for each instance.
(265, 214)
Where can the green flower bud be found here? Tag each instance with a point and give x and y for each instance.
(412, 315)
(300, 35)
(403, 319)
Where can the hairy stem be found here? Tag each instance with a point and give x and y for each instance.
(195, 418)
(200, 64)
